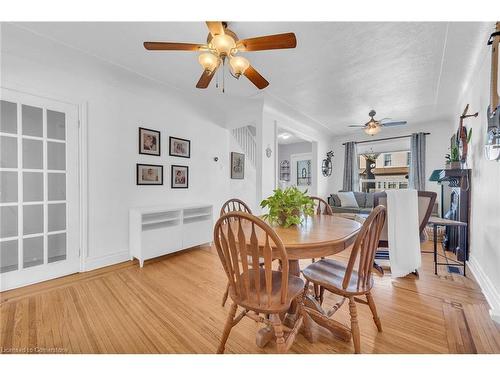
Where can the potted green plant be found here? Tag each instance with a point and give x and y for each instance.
(453, 158)
(287, 207)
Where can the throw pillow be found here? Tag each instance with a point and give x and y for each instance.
(335, 199)
(347, 199)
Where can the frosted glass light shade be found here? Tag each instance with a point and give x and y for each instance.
(223, 44)
(372, 130)
(208, 61)
(239, 64)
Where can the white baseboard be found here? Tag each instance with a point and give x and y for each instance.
(489, 290)
(93, 263)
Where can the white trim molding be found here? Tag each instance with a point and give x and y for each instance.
(92, 263)
(489, 290)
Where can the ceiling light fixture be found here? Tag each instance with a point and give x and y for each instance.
(208, 61)
(372, 128)
(224, 44)
(238, 64)
(284, 135)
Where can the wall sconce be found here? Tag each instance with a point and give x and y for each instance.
(326, 165)
(269, 152)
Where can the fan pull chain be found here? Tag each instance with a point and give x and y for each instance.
(223, 75)
(217, 79)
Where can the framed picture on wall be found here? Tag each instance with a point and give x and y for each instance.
(179, 177)
(149, 174)
(149, 142)
(179, 147)
(237, 166)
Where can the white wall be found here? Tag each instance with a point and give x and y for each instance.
(485, 203)
(118, 103)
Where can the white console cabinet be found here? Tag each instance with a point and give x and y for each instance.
(160, 230)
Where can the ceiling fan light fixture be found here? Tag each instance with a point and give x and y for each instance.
(239, 64)
(208, 61)
(223, 44)
(372, 129)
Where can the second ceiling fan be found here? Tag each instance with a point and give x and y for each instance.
(222, 45)
(373, 126)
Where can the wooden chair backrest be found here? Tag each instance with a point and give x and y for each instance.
(240, 255)
(234, 204)
(364, 248)
(322, 207)
(426, 201)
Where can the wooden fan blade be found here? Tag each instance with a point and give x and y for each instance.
(215, 28)
(278, 41)
(255, 77)
(393, 123)
(205, 79)
(167, 46)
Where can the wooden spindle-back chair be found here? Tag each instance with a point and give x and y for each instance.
(321, 207)
(257, 289)
(233, 204)
(426, 200)
(348, 282)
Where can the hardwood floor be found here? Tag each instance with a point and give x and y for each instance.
(172, 305)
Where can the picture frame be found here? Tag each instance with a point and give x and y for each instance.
(149, 174)
(237, 166)
(149, 142)
(179, 147)
(179, 177)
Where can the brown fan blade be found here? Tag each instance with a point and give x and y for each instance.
(205, 79)
(215, 28)
(278, 41)
(255, 77)
(167, 46)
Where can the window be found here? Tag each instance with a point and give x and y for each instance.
(387, 160)
(408, 158)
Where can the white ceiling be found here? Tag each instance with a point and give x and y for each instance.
(337, 73)
(286, 137)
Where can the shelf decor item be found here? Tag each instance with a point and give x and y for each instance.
(149, 142)
(179, 147)
(453, 158)
(285, 170)
(179, 177)
(288, 207)
(149, 174)
(237, 166)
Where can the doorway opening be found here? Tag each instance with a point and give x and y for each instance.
(295, 161)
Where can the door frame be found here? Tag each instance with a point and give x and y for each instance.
(82, 173)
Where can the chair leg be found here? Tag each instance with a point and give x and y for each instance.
(373, 308)
(278, 332)
(354, 326)
(227, 328)
(224, 297)
(321, 295)
(316, 289)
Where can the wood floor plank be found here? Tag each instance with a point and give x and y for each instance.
(172, 305)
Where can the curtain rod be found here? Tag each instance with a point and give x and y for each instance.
(384, 139)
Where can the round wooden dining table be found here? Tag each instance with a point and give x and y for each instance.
(318, 236)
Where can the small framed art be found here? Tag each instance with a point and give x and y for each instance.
(179, 177)
(149, 142)
(149, 174)
(237, 166)
(179, 147)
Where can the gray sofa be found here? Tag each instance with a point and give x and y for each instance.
(364, 200)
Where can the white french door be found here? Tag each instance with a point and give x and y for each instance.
(39, 193)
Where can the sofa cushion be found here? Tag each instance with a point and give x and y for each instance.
(348, 199)
(360, 198)
(369, 200)
(335, 200)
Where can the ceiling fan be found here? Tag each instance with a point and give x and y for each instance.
(373, 126)
(222, 45)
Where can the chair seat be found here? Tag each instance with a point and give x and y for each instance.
(330, 273)
(295, 287)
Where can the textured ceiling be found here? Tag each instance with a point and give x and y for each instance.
(337, 73)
